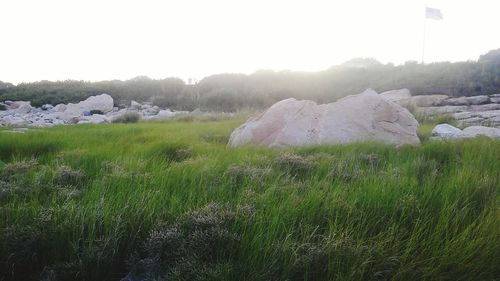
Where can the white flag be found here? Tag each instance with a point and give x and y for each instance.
(431, 13)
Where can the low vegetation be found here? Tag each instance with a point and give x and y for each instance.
(169, 201)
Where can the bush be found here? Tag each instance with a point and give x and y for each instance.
(293, 164)
(197, 246)
(240, 173)
(66, 176)
(96, 111)
(215, 138)
(173, 152)
(129, 117)
(13, 169)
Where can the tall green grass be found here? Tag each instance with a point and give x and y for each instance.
(169, 201)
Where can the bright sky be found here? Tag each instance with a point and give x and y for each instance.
(108, 39)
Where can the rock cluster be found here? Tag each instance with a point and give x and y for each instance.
(95, 110)
(446, 131)
(468, 111)
(363, 117)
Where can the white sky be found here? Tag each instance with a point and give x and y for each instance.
(105, 39)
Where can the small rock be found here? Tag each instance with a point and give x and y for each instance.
(47, 107)
(446, 131)
(135, 105)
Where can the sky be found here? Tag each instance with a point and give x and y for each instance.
(120, 39)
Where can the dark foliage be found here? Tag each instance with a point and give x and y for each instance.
(129, 117)
(232, 92)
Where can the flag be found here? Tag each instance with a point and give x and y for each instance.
(431, 13)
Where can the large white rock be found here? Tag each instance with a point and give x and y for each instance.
(103, 102)
(363, 117)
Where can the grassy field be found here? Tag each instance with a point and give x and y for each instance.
(169, 201)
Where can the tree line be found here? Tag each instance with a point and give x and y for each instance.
(233, 92)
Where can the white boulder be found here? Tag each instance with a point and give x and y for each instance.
(363, 117)
(135, 105)
(47, 107)
(103, 103)
(446, 131)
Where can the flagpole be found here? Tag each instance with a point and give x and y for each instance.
(424, 35)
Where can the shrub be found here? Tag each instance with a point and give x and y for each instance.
(128, 117)
(96, 111)
(13, 169)
(174, 152)
(66, 176)
(426, 169)
(239, 173)
(293, 164)
(197, 246)
(215, 138)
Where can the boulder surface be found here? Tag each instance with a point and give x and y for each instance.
(363, 117)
